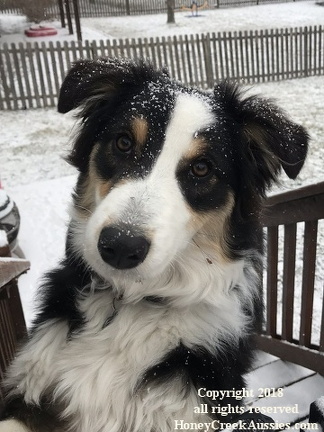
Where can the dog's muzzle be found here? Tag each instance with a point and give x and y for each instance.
(121, 248)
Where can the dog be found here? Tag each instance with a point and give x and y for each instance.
(147, 324)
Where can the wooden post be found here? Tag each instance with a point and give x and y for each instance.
(62, 13)
(77, 19)
(68, 15)
(170, 11)
(127, 7)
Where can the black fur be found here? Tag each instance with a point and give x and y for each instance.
(43, 417)
(201, 369)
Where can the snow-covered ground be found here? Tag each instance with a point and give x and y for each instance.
(34, 142)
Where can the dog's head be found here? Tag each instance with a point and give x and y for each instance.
(169, 173)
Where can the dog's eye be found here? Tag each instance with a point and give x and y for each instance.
(200, 168)
(124, 144)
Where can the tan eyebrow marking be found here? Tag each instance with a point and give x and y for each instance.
(197, 147)
(196, 150)
(139, 127)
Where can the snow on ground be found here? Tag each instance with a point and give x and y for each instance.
(34, 142)
(292, 14)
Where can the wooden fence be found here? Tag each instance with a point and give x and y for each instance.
(240, 3)
(291, 219)
(31, 75)
(102, 8)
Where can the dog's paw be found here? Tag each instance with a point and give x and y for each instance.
(12, 426)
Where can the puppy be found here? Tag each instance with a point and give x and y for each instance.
(151, 314)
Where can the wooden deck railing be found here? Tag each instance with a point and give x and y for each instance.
(12, 322)
(293, 219)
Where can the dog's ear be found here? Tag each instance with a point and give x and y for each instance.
(269, 141)
(91, 82)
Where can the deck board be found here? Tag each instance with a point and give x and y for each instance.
(300, 387)
(263, 358)
(276, 374)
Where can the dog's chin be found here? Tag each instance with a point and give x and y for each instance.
(144, 272)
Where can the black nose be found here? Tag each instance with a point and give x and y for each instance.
(122, 249)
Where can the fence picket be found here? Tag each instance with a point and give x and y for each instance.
(200, 61)
(11, 87)
(241, 55)
(288, 57)
(48, 75)
(53, 69)
(247, 43)
(41, 74)
(30, 55)
(153, 56)
(18, 75)
(189, 59)
(87, 49)
(262, 56)
(5, 101)
(236, 61)
(207, 60)
(170, 63)
(320, 50)
(109, 49)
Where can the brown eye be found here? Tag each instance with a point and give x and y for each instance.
(200, 168)
(124, 144)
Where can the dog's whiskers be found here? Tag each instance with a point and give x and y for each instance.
(206, 255)
(83, 208)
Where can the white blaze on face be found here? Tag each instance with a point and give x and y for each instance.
(191, 114)
(155, 204)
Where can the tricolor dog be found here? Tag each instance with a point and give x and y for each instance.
(159, 293)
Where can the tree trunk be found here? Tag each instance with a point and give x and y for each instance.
(170, 11)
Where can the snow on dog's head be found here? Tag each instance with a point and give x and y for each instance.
(170, 173)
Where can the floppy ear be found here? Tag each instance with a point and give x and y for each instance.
(269, 140)
(89, 81)
(92, 81)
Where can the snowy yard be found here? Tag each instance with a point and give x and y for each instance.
(33, 142)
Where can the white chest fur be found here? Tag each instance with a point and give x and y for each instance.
(96, 371)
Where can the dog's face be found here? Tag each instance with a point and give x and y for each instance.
(168, 172)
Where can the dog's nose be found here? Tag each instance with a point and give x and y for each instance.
(122, 249)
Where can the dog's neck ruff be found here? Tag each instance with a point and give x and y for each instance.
(118, 299)
(99, 284)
